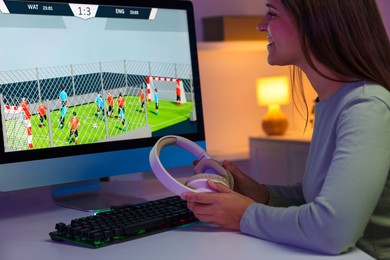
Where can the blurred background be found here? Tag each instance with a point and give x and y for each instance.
(229, 68)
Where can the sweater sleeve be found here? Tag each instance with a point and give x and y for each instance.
(334, 219)
(284, 196)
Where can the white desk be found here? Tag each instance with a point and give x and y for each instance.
(26, 218)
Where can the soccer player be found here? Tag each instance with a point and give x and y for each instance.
(110, 101)
(142, 100)
(64, 110)
(178, 93)
(100, 104)
(122, 118)
(74, 124)
(63, 96)
(42, 113)
(156, 100)
(121, 104)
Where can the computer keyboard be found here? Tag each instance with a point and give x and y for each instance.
(125, 223)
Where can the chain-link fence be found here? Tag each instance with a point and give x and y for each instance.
(83, 103)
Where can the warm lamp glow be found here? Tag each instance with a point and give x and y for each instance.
(273, 92)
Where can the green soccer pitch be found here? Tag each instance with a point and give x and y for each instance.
(93, 128)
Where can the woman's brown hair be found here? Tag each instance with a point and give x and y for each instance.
(348, 37)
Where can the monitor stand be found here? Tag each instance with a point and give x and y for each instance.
(89, 196)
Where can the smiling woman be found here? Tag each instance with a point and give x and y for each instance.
(283, 43)
(328, 212)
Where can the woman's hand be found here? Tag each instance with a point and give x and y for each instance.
(223, 208)
(247, 186)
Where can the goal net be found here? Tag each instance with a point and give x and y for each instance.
(15, 124)
(167, 88)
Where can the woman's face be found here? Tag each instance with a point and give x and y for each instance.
(283, 43)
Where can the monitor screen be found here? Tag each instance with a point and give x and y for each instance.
(87, 87)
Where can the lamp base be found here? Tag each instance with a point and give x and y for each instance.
(275, 127)
(275, 122)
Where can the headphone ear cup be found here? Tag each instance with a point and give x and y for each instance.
(203, 177)
(205, 165)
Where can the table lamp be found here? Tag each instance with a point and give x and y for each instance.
(273, 92)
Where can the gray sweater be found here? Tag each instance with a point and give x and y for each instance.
(344, 198)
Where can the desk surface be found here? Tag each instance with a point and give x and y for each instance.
(26, 218)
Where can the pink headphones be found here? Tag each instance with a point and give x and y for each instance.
(207, 168)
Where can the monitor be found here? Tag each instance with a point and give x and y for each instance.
(87, 87)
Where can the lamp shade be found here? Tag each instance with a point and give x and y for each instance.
(272, 91)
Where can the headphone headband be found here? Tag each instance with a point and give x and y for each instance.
(181, 142)
(162, 175)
